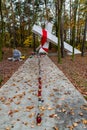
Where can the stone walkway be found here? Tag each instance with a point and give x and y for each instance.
(63, 107)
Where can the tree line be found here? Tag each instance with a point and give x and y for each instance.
(69, 18)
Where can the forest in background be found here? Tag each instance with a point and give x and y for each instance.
(69, 18)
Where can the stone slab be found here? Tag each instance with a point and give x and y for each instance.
(63, 106)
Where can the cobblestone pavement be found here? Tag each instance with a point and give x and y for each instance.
(62, 106)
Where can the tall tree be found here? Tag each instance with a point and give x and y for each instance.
(59, 6)
(75, 7)
(84, 10)
(70, 22)
(13, 24)
(1, 35)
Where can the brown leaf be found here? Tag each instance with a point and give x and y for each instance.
(29, 107)
(32, 126)
(70, 127)
(16, 110)
(63, 110)
(75, 124)
(49, 108)
(10, 112)
(7, 128)
(25, 123)
(14, 84)
(30, 116)
(42, 108)
(84, 122)
(81, 114)
(55, 89)
(53, 115)
(2, 99)
(55, 128)
(29, 98)
(17, 103)
(51, 94)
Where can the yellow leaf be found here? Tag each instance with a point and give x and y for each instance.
(29, 107)
(63, 110)
(42, 108)
(81, 114)
(49, 108)
(75, 124)
(31, 115)
(84, 122)
(55, 128)
(8, 128)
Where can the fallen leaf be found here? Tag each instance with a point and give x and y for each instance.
(29, 98)
(63, 110)
(84, 107)
(2, 99)
(51, 94)
(29, 107)
(25, 123)
(10, 112)
(42, 108)
(55, 128)
(17, 103)
(75, 124)
(62, 98)
(55, 89)
(8, 101)
(30, 116)
(84, 122)
(53, 115)
(49, 98)
(16, 110)
(70, 127)
(7, 128)
(18, 119)
(32, 126)
(42, 114)
(81, 114)
(49, 108)
(13, 84)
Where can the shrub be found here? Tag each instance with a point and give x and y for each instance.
(28, 41)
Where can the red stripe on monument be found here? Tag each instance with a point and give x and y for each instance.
(44, 37)
(45, 49)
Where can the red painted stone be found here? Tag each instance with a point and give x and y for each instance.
(40, 86)
(39, 80)
(38, 119)
(39, 93)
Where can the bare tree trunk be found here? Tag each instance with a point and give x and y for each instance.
(74, 27)
(62, 38)
(70, 24)
(46, 8)
(13, 18)
(60, 5)
(62, 32)
(1, 36)
(56, 15)
(84, 38)
(78, 28)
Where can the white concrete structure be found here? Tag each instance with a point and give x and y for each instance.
(53, 39)
(48, 28)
